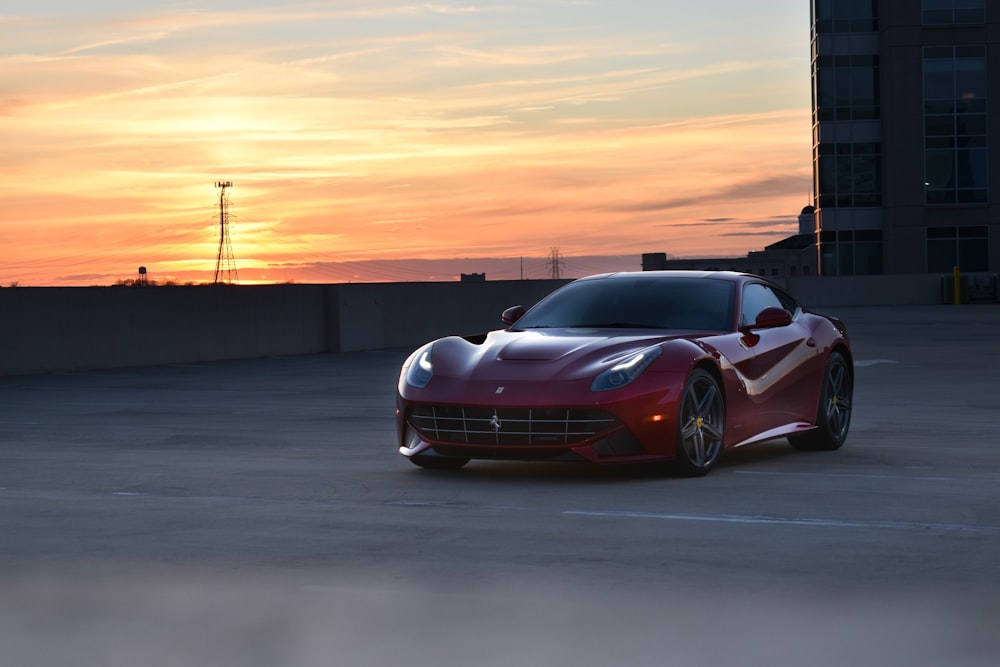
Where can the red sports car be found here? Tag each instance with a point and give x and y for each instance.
(629, 367)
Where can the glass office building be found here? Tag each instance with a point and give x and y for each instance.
(906, 142)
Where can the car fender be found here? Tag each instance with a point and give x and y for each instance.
(681, 355)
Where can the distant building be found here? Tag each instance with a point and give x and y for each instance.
(473, 277)
(792, 256)
(903, 140)
(904, 135)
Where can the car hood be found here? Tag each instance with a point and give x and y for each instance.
(549, 354)
(534, 346)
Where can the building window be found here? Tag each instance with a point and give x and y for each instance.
(954, 12)
(847, 87)
(850, 175)
(955, 126)
(846, 16)
(965, 247)
(851, 253)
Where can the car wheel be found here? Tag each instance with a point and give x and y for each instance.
(701, 425)
(833, 417)
(438, 462)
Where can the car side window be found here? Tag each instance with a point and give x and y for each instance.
(757, 297)
(787, 302)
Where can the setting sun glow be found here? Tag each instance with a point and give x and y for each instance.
(394, 141)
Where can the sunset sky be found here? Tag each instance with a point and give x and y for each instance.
(362, 133)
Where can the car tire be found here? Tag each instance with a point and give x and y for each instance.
(833, 416)
(701, 425)
(438, 462)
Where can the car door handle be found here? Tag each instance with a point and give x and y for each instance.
(811, 342)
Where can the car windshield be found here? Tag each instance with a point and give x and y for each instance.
(640, 302)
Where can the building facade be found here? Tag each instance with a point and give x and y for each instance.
(906, 141)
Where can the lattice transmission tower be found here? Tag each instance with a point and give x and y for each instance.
(225, 264)
(555, 263)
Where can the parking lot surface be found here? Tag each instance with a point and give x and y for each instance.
(256, 513)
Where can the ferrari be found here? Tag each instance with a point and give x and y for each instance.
(654, 366)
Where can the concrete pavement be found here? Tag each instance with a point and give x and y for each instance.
(256, 513)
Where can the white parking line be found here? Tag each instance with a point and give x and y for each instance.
(787, 521)
(853, 475)
(873, 362)
(725, 518)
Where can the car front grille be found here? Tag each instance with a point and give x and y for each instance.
(510, 426)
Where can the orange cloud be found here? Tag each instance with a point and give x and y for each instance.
(456, 137)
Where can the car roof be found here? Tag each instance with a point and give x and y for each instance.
(732, 276)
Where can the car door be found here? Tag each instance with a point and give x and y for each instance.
(780, 373)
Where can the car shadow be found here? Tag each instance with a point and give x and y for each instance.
(753, 456)
(757, 454)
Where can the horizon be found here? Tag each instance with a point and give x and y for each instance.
(385, 141)
(398, 271)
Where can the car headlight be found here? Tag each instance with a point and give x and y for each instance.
(626, 370)
(420, 371)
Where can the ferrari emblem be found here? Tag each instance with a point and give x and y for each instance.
(495, 422)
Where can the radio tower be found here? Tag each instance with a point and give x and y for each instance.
(225, 264)
(555, 263)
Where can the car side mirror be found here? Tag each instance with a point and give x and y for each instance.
(771, 318)
(512, 314)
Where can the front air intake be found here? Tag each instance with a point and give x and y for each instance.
(510, 426)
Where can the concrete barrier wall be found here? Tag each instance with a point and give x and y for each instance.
(897, 290)
(44, 329)
(59, 329)
(65, 329)
(374, 316)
